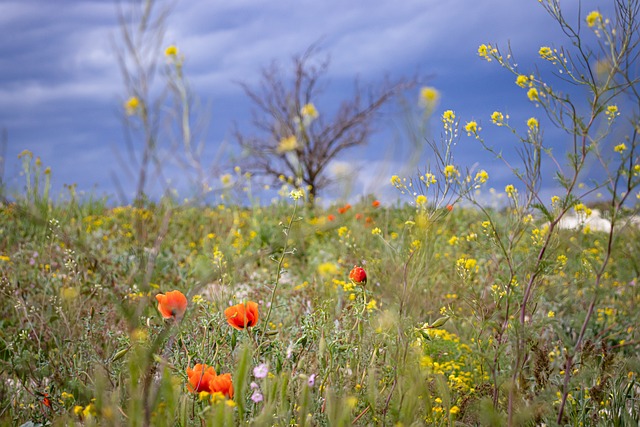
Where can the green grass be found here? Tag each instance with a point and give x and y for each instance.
(80, 319)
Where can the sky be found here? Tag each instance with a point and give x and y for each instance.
(62, 91)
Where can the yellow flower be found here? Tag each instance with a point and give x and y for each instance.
(471, 128)
(396, 181)
(546, 53)
(620, 148)
(551, 314)
(309, 110)
(225, 179)
(594, 18)
(376, 231)
(448, 116)
(429, 96)
(497, 118)
(612, 112)
(486, 52)
(78, 410)
(450, 172)
(482, 176)
(171, 51)
(287, 144)
(4, 258)
(532, 123)
(372, 305)
(454, 410)
(522, 80)
(421, 200)
(532, 94)
(132, 105)
(510, 190)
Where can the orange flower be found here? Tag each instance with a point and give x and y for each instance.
(331, 217)
(344, 208)
(375, 203)
(358, 276)
(242, 316)
(45, 400)
(200, 378)
(222, 384)
(358, 216)
(172, 304)
(449, 208)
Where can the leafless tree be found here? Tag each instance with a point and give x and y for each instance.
(291, 138)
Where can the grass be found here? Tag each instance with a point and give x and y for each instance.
(427, 341)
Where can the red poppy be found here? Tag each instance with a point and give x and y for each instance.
(358, 276)
(331, 217)
(172, 304)
(45, 400)
(222, 384)
(242, 316)
(200, 378)
(358, 216)
(449, 208)
(375, 203)
(344, 208)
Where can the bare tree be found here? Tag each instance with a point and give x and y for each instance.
(292, 139)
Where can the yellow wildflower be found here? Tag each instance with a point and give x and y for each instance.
(546, 53)
(450, 172)
(497, 118)
(429, 96)
(471, 127)
(287, 144)
(132, 105)
(594, 18)
(522, 80)
(612, 112)
(620, 148)
(482, 176)
(421, 200)
(532, 94)
(309, 110)
(532, 124)
(171, 50)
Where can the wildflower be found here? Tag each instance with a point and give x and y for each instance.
(242, 316)
(132, 105)
(396, 181)
(45, 400)
(612, 112)
(449, 208)
(331, 217)
(312, 380)
(376, 231)
(497, 118)
(344, 209)
(372, 305)
(620, 148)
(358, 276)
(482, 176)
(222, 384)
(375, 203)
(309, 110)
(532, 124)
(297, 194)
(421, 200)
(532, 94)
(448, 116)
(471, 127)
(454, 410)
(287, 144)
(171, 51)
(546, 53)
(226, 179)
(522, 80)
(173, 304)
(510, 190)
(261, 371)
(77, 410)
(257, 396)
(428, 96)
(200, 378)
(197, 299)
(594, 18)
(551, 314)
(450, 172)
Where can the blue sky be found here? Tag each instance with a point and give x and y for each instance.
(61, 91)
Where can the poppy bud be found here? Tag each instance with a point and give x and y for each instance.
(358, 276)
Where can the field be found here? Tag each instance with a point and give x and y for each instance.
(434, 337)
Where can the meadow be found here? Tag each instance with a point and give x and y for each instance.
(460, 304)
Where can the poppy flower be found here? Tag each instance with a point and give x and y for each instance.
(375, 203)
(344, 209)
(242, 316)
(222, 384)
(331, 217)
(45, 400)
(172, 304)
(449, 208)
(358, 276)
(200, 378)
(359, 216)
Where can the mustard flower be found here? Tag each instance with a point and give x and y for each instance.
(132, 105)
(482, 176)
(421, 200)
(522, 80)
(545, 52)
(497, 118)
(551, 314)
(594, 18)
(532, 94)
(287, 144)
(450, 172)
(532, 124)
(376, 231)
(171, 51)
(429, 96)
(471, 127)
(486, 51)
(309, 110)
(620, 148)
(510, 190)
(612, 112)
(448, 116)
